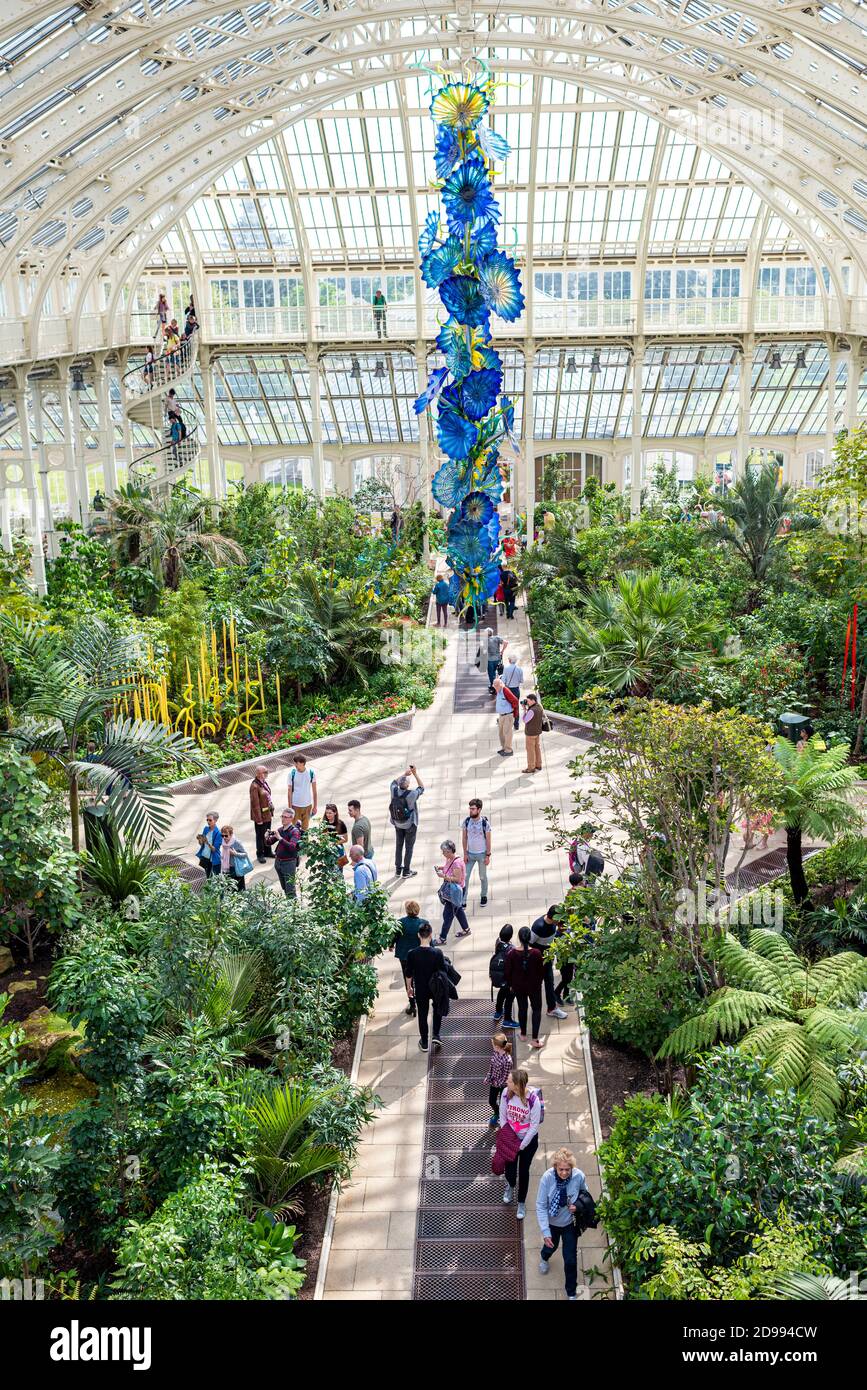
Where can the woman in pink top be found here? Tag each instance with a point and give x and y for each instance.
(453, 872)
(521, 1108)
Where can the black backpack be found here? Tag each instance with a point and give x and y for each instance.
(398, 810)
(497, 966)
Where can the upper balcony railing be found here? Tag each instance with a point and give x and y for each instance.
(358, 323)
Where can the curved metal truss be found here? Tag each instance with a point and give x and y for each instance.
(116, 117)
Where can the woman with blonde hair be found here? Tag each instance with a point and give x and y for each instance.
(562, 1204)
(521, 1108)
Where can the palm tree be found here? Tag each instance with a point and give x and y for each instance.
(815, 796)
(166, 533)
(347, 627)
(799, 1019)
(70, 706)
(282, 1157)
(802, 1287)
(637, 634)
(758, 515)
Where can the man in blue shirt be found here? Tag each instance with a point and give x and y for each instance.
(441, 596)
(505, 707)
(364, 873)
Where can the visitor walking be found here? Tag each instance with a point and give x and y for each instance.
(410, 926)
(261, 812)
(422, 963)
(364, 873)
(286, 841)
(403, 814)
(161, 309)
(172, 405)
(360, 832)
(510, 591)
(520, 1107)
(525, 970)
(379, 305)
(303, 792)
(534, 719)
(513, 679)
(498, 1074)
(583, 858)
(490, 650)
(543, 933)
(453, 873)
(441, 599)
(210, 842)
(505, 709)
(337, 831)
(557, 1206)
(234, 860)
(476, 844)
(497, 974)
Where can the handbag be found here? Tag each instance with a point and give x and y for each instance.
(450, 892)
(242, 866)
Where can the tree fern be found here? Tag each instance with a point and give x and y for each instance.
(787, 1014)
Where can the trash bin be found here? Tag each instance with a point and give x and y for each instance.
(793, 725)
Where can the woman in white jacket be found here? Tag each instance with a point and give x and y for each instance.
(521, 1108)
(556, 1202)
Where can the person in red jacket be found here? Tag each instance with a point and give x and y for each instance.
(525, 970)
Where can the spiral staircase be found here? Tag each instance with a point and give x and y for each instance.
(144, 393)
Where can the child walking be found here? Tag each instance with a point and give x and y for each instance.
(498, 1072)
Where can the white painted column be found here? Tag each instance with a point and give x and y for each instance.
(745, 385)
(69, 447)
(423, 445)
(38, 561)
(830, 405)
(529, 438)
(5, 512)
(318, 462)
(81, 461)
(106, 433)
(216, 472)
(51, 543)
(853, 381)
(637, 430)
(612, 471)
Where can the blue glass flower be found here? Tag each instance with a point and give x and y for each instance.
(454, 589)
(478, 508)
(447, 151)
(428, 234)
(438, 265)
(448, 485)
(500, 285)
(433, 389)
(479, 392)
(459, 105)
(467, 196)
(483, 240)
(494, 145)
(464, 537)
(456, 435)
(463, 298)
(487, 357)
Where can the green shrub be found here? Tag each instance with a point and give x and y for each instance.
(199, 1245)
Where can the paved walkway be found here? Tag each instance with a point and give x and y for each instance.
(375, 1231)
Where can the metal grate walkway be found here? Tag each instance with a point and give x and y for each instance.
(471, 684)
(468, 1244)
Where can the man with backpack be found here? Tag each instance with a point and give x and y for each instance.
(403, 814)
(422, 964)
(584, 859)
(504, 998)
(542, 934)
(476, 832)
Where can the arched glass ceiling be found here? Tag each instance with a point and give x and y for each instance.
(610, 184)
